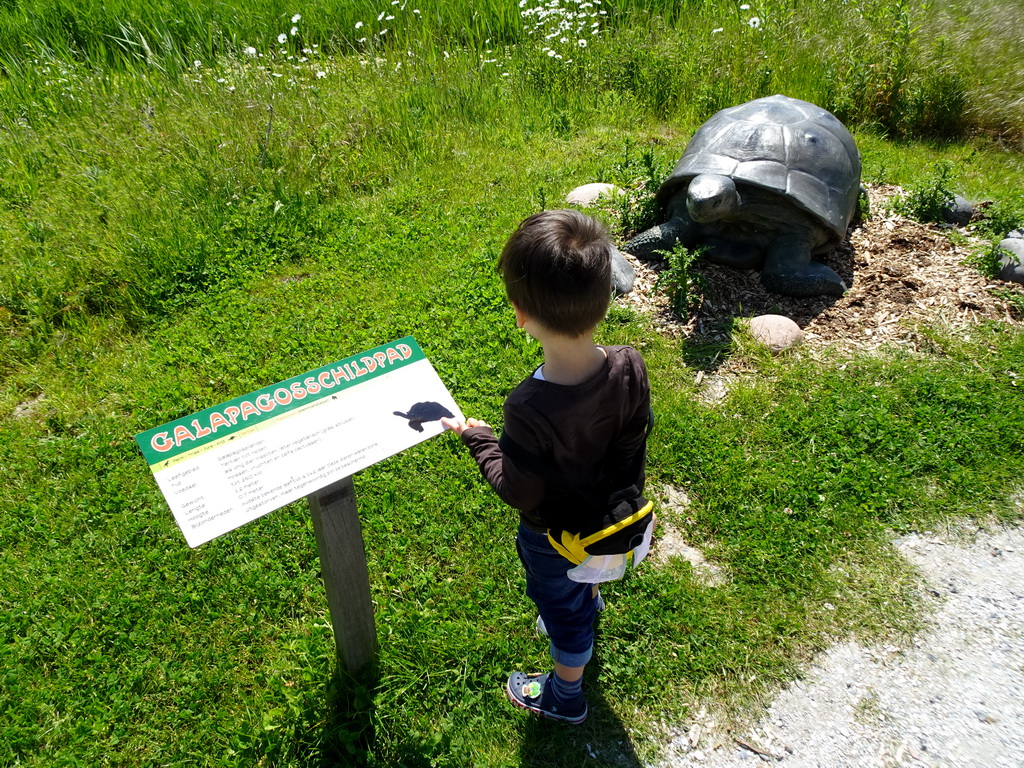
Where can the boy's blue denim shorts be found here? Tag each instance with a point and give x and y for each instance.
(567, 607)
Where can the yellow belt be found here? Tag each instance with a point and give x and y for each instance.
(574, 549)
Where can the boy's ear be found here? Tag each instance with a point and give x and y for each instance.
(521, 317)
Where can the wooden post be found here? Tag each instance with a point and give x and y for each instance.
(339, 540)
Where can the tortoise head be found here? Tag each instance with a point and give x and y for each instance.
(711, 197)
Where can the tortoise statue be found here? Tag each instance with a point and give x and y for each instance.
(765, 184)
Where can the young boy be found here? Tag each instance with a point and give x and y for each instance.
(584, 413)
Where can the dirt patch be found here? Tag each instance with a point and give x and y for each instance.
(902, 274)
(29, 408)
(671, 539)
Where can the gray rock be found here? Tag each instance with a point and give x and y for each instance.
(1016, 234)
(1012, 260)
(958, 212)
(589, 194)
(776, 332)
(623, 274)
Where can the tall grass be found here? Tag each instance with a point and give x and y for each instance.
(980, 44)
(152, 152)
(912, 68)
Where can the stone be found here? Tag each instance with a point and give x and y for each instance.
(589, 194)
(1012, 260)
(958, 212)
(623, 274)
(776, 332)
(1016, 234)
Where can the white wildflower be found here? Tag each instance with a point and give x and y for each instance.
(744, 7)
(321, 74)
(754, 22)
(359, 25)
(249, 51)
(197, 63)
(282, 38)
(388, 18)
(295, 31)
(381, 17)
(716, 31)
(296, 18)
(581, 43)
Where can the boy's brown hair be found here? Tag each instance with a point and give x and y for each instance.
(557, 268)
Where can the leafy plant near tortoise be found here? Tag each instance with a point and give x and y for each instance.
(927, 201)
(684, 286)
(640, 175)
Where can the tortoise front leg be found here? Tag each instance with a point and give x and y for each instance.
(789, 270)
(662, 237)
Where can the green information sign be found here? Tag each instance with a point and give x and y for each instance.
(227, 465)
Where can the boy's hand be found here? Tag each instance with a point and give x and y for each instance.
(458, 427)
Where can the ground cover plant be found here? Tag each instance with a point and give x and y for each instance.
(198, 200)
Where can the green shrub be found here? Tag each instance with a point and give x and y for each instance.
(928, 200)
(684, 286)
(639, 175)
(1003, 216)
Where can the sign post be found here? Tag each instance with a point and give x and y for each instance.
(225, 466)
(339, 540)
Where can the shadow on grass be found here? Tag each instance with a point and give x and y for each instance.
(348, 731)
(601, 740)
(347, 734)
(348, 737)
(733, 296)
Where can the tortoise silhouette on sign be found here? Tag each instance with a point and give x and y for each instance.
(423, 412)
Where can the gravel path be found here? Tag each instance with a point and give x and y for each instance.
(954, 697)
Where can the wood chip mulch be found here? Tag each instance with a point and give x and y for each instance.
(902, 274)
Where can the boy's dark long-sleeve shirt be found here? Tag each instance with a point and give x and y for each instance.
(590, 433)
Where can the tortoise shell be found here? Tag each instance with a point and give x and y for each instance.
(780, 144)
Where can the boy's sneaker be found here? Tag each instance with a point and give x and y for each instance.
(543, 631)
(528, 692)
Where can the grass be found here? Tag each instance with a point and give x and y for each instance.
(172, 235)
